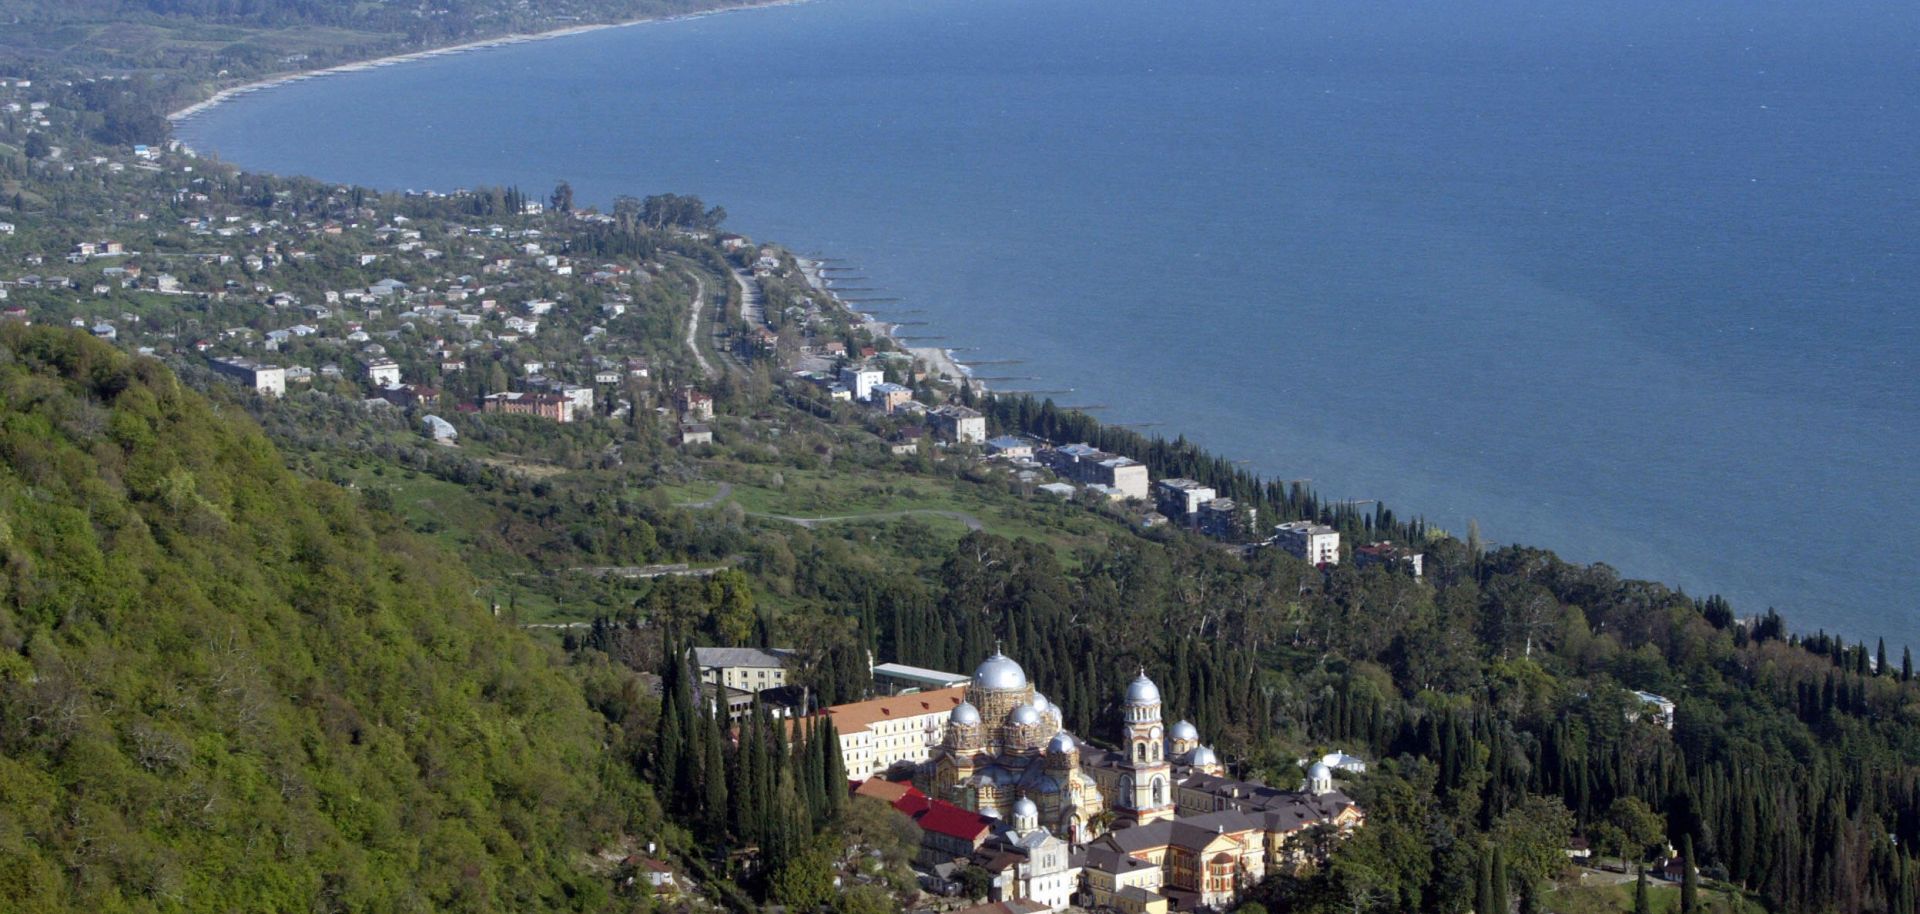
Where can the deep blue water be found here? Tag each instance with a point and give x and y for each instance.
(1630, 280)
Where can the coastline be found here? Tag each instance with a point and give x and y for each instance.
(938, 360)
(230, 93)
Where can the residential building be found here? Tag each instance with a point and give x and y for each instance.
(1391, 555)
(694, 433)
(695, 405)
(1180, 498)
(860, 380)
(1088, 464)
(890, 397)
(384, 373)
(1011, 448)
(749, 669)
(546, 406)
(1226, 519)
(1317, 544)
(960, 424)
(267, 379)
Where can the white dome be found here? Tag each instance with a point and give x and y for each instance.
(1142, 691)
(1040, 702)
(964, 714)
(1062, 743)
(1203, 756)
(999, 673)
(1024, 716)
(1184, 730)
(1319, 772)
(1024, 808)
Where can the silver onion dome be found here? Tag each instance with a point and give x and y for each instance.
(999, 673)
(1142, 691)
(1184, 730)
(1203, 756)
(1025, 716)
(1062, 743)
(964, 714)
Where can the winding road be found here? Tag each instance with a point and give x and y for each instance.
(973, 523)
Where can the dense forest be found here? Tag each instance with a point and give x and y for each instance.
(225, 687)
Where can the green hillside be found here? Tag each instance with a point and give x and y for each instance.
(226, 688)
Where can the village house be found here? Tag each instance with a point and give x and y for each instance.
(889, 397)
(860, 379)
(695, 405)
(384, 373)
(749, 669)
(1391, 555)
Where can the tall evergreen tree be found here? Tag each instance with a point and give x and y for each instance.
(1498, 894)
(1690, 883)
(1641, 903)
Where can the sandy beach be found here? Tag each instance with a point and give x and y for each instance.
(228, 94)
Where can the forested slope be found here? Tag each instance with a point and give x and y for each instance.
(226, 688)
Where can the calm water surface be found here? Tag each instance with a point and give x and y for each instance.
(1632, 280)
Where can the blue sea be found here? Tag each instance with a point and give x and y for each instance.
(1631, 280)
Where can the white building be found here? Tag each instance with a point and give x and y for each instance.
(384, 373)
(267, 379)
(1181, 498)
(1316, 544)
(879, 733)
(860, 380)
(1659, 707)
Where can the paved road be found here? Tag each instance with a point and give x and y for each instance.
(693, 322)
(752, 305)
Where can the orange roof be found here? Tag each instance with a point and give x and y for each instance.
(883, 790)
(863, 714)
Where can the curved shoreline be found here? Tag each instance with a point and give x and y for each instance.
(232, 92)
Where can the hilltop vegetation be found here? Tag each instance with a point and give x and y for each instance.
(228, 688)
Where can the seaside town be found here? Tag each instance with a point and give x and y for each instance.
(651, 559)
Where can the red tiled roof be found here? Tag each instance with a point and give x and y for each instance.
(947, 819)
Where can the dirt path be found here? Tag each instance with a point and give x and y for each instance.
(726, 489)
(973, 523)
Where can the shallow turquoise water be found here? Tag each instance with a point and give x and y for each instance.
(1633, 281)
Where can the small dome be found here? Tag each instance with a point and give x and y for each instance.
(1319, 772)
(1024, 716)
(1203, 756)
(1184, 730)
(1142, 691)
(1024, 808)
(999, 673)
(964, 714)
(1040, 702)
(1062, 743)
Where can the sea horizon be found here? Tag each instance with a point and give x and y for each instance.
(1381, 323)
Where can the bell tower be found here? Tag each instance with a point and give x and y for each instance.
(1150, 777)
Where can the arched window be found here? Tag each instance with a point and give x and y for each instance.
(1139, 752)
(1159, 791)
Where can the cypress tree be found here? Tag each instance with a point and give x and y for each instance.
(1880, 667)
(836, 774)
(1499, 893)
(714, 811)
(1641, 903)
(1483, 890)
(1906, 664)
(1690, 883)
